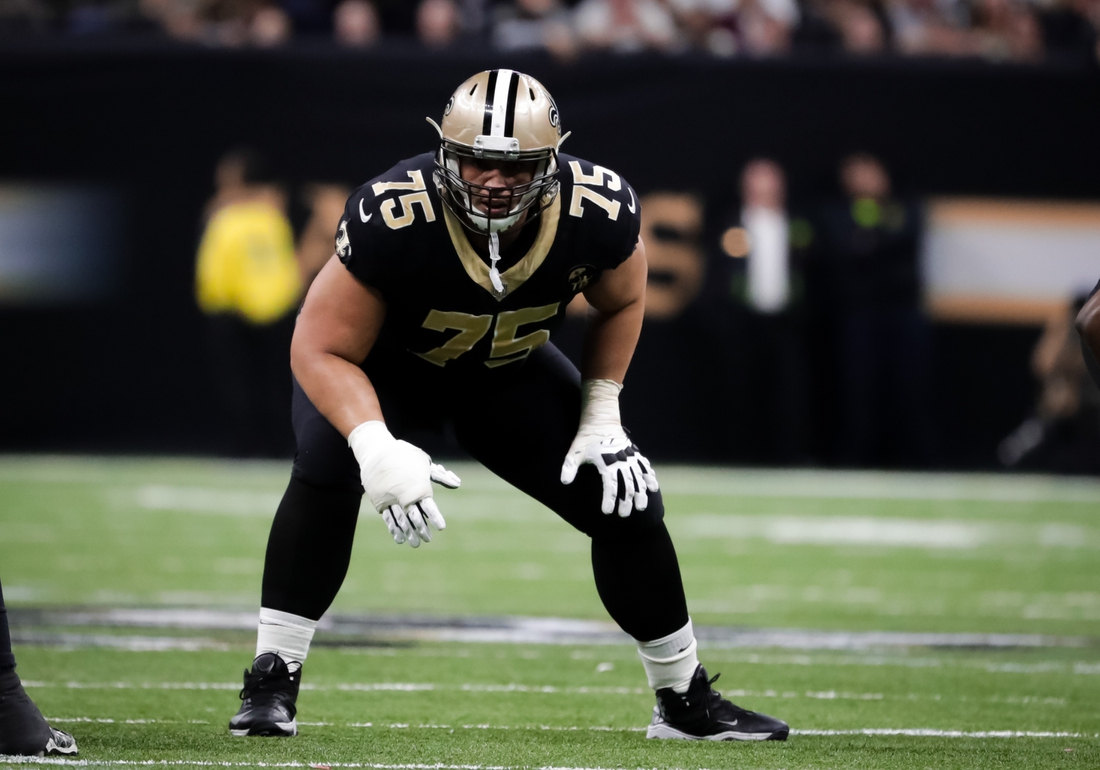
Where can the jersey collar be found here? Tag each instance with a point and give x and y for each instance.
(517, 274)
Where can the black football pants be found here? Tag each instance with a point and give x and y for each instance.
(7, 659)
(519, 426)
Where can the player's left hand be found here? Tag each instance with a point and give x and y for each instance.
(627, 475)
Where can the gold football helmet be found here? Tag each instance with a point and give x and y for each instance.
(498, 115)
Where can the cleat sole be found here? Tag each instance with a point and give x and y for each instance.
(666, 731)
(267, 730)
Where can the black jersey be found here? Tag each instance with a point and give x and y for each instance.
(398, 237)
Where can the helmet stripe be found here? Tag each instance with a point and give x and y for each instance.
(490, 92)
(500, 101)
(510, 109)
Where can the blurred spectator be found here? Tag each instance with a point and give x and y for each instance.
(437, 23)
(774, 359)
(1019, 30)
(870, 242)
(729, 27)
(529, 25)
(1063, 434)
(325, 203)
(1070, 28)
(627, 26)
(269, 26)
(767, 26)
(709, 25)
(230, 23)
(1007, 29)
(862, 25)
(355, 24)
(178, 18)
(931, 27)
(473, 15)
(815, 32)
(247, 285)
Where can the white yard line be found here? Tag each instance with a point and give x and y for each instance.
(870, 732)
(102, 721)
(411, 687)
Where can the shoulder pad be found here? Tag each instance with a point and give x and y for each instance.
(591, 185)
(400, 197)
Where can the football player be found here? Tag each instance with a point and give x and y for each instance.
(452, 269)
(23, 730)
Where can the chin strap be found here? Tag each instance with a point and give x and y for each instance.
(494, 257)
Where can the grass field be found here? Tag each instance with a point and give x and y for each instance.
(895, 620)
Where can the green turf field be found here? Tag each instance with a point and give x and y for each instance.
(820, 559)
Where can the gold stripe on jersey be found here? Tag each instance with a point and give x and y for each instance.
(517, 274)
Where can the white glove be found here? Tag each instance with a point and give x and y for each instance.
(602, 442)
(397, 478)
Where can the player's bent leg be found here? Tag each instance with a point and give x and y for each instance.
(638, 579)
(308, 553)
(23, 730)
(634, 561)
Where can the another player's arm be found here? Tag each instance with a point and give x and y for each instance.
(1088, 325)
(616, 309)
(336, 329)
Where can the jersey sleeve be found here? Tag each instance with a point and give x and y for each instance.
(364, 243)
(383, 219)
(608, 208)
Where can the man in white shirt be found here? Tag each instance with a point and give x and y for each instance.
(775, 361)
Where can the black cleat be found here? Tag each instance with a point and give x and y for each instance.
(269, 693)
(60, 744)
(702, 714)
(23, 730)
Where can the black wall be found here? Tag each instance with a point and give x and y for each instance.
(126, 374)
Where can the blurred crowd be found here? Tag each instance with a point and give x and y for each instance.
(1016, 30)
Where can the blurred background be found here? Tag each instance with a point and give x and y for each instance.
(868, 221)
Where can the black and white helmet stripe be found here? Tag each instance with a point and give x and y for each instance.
(500, 103)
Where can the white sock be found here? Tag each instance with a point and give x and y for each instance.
(286, 635)
(671, 660)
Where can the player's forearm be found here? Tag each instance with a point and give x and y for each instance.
(610, 340)
(1088, 324)
(338, 388)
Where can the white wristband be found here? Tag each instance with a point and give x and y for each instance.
(600, 407)
(368, 440)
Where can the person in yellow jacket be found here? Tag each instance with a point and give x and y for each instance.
(248, 286)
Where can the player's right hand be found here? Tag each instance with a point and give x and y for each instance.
(397, 478)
